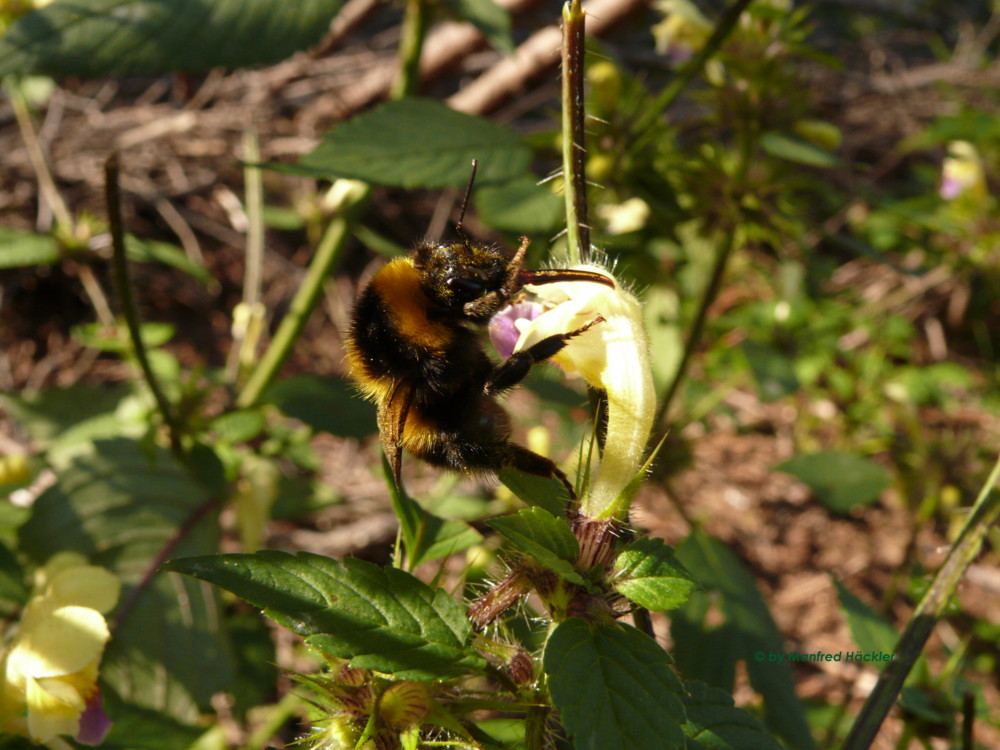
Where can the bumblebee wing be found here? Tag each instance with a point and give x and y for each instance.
(391, 422)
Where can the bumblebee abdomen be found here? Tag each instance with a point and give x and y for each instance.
(407, 309)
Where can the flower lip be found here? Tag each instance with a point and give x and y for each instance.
(555, 275)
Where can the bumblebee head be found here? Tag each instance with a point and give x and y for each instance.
(455, 274)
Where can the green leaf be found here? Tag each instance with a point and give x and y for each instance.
(521, 205)
(841, 481)
(124, 37)
(123, 505)
(381, 619)
(426, 536)
(116, 340)
(492, 20)
(714, 723)
(20, 249)
(149, 251)
(47, 415)
(544, 538)
(137, 728)
(541, 492)
(238, 426)
(796, 150)
(416, 143)
(13, 589)
(747, 633)
(772, 369)
(614, 688)
(869, 630)
(649, 573)
(325, 404)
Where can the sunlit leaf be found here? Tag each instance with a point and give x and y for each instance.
(614, 688)
(416, 143)
(380, 618)
(102, 37)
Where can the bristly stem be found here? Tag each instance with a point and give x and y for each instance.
(984, 514)
(112, 195)
(574, 145)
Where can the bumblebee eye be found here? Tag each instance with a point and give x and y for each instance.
(464, 287)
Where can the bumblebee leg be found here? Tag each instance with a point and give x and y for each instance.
(515, 369)
(531, 463)
(486, 306)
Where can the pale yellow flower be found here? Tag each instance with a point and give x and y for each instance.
(49, 671)
(962, 172)
(612, 356)
(683, 30)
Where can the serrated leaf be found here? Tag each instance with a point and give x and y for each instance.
(20, 249)
(540, 492)
(869, 630)
(492, 20)
(614, 688)
(325, 404)
(416, 143)
(714, 723)
(122, 505)
(841, 481)
(380, 618)
(648, 572)
(125, 37)
(709, 653)
(544, 538)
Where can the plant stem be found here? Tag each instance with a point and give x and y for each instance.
(254, 182)
(724, 249)
(338, 232)
(127, 303)
(573, 138)
(277, 715)
(536, 718)
(248, 320)
(723, 28)
(984, 514)
(414, 31)
(46, 183)
(334, 240)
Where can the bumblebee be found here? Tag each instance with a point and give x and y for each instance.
(414, 351)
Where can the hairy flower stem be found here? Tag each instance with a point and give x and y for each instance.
(573, 137)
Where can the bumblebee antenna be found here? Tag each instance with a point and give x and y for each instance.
(465, 202)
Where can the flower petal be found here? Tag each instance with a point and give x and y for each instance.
(62, 644)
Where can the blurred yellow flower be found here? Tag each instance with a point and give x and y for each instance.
(612, 356)
(962, 172)
(683, 30)
(49, 670)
